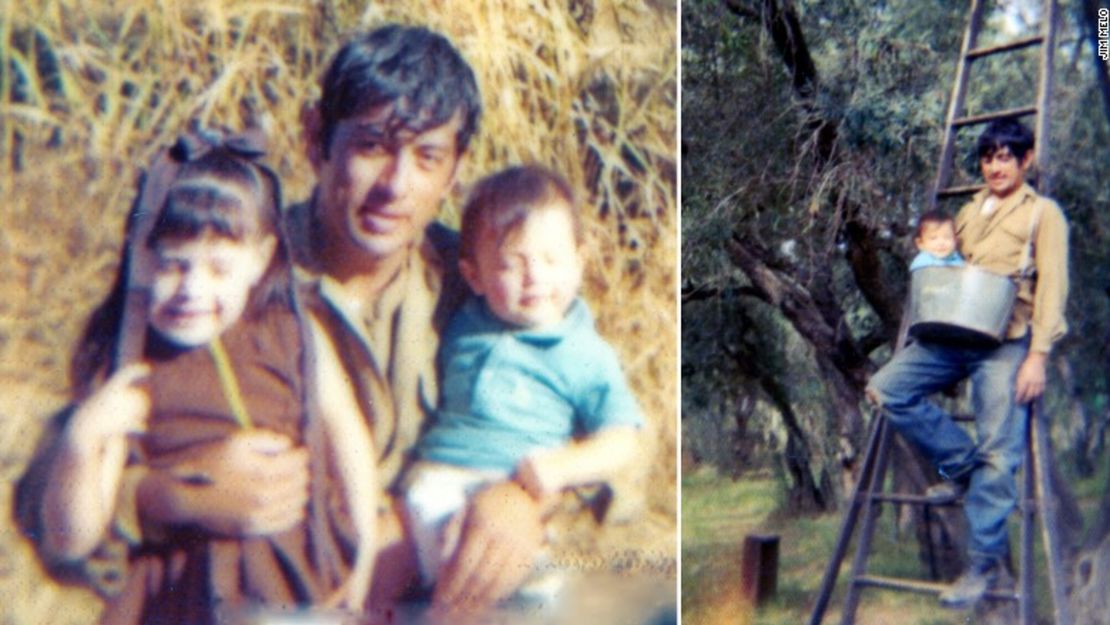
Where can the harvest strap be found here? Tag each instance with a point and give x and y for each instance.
(229, 384)
(1027, 249)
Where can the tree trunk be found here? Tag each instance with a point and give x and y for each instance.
(1086, 435)
(843, 369)
(1090, 603)
(1091, 579)
(811, 489)
(810, 493)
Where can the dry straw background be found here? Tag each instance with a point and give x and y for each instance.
(90, 89)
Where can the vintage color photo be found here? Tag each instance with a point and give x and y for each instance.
(252, 371)
(881, 200)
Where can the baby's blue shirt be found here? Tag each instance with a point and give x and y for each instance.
(925, 259)
(507, 391)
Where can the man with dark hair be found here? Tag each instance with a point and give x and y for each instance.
(1009, 134)
(418, 72)
(398, 108)
(1004, 223)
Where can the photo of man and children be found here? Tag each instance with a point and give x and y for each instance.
(546, 312)
(403, 392)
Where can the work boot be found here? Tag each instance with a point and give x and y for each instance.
(948, 491)
(972, 584)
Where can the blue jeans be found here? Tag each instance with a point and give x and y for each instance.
(902, 387)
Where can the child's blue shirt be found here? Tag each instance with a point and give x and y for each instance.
(925, 259)
(508, 391)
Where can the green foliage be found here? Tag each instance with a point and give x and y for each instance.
(1081, 145)
(752, 173)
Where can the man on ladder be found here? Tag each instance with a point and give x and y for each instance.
(993, 229)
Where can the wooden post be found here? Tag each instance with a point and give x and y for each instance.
(759, 568)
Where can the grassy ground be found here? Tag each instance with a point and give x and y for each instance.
(717, 512)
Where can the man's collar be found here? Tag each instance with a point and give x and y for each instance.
(1014, 198)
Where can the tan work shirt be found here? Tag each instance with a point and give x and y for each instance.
(995, 243)
(389, 346)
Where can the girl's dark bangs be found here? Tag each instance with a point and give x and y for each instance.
(190, 212)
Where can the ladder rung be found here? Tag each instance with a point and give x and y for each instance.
(906, 498)
(989, 117)
(957, 191)
(1016, 44)
(912, 585)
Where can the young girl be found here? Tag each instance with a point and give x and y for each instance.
(222, 353)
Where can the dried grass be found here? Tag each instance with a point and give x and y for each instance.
(93, 88)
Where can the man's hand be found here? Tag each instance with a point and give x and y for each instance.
(252, 483)
(1030, 377)
(501, 535)
(540, 478)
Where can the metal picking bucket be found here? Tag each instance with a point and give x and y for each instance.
(964, 305)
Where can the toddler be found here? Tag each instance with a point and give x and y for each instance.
(935, 239)
(530, 391)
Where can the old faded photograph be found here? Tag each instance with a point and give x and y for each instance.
(894, 312)
(338, 312)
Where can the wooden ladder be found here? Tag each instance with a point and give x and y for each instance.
(1036, 498)
(957, 109)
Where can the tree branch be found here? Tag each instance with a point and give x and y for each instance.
(807, 493)
(741, 10)
(873, 340)
(814, 320)
(702, 292)
(780, 20)
(867, 269)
